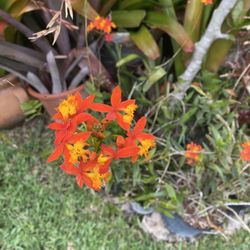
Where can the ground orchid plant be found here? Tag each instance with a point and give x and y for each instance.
(82, 136)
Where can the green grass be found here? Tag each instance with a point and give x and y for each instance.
(42, 208)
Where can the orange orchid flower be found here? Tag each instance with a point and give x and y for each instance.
(108, 154)
(102, 24)
(137, 133)
(125, 152)
(62, 147)
(74, 152)
(72, 106)
(122, 112)
(207, 2)
(192, 153)
(87, 174)
(145, 141)
(245, 153)
(65, 130)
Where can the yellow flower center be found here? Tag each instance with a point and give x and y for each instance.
(246, 144)
(145, 146)
(129, 113)
(68, 107)
(77, 151)
(102, 159)
(102, 24)
(95, 178)
(98, 180)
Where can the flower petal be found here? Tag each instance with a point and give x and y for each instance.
(116, 96)
(87, 181)
(145, 136)
(83, 117)
(127, 152)
(78, 98)
(140, 125)
(80, 181)
(58, 116)
(86, 103)
(111, 116)
(107, 150)
(70, 169)
(120, 141)
(121, 123)
(105, 168)
(80, 136)
(101, 107)
(56, 153)
(126, 103)
(56, 126)
(59, 136)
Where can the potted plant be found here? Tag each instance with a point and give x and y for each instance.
(56, 66)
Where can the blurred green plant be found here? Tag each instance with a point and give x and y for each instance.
(31, 109)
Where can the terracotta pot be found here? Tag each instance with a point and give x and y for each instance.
(51, 101)
(11, 98)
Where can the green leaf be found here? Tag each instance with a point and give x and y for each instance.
(128, 19)
(170, 190)
(155, 76)
(188, 115)
(83, 8)
(237, 12)
(137, 4)
(16, 9)
(199, 90)
(126, 59)
(219, 170)
(4, 4)
(144, 40)
(169, 25)
(158, 19)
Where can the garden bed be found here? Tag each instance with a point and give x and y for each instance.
(42, 208)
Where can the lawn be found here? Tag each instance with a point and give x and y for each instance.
(41, 208)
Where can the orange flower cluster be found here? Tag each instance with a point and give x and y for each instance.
(102, 24)
(245, 153)
(82, 138)
(192, 153)
(207, 2)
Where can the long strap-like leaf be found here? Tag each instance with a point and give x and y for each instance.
(54, 72)
(21, 54)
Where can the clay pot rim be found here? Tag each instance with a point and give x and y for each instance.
(40, 96)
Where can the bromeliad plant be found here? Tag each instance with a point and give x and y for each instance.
(85, 140)
(51, 65)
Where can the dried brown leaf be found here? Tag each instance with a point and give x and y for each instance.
(68, 9)
(53, 19)
(56, 34)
